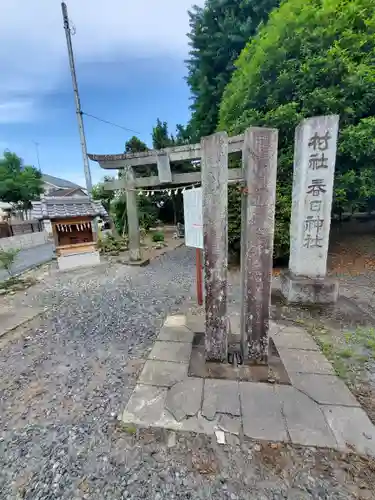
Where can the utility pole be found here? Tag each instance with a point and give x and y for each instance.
(37, 154)
(76, 99)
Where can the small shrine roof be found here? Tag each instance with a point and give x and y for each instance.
(64, 207)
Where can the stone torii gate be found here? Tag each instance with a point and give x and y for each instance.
(258, 174)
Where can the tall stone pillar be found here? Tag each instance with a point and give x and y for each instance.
(215, 234)
(132, 213)
(259, 163)
(313, 175)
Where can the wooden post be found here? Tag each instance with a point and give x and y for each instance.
(55, 234)
(260, 168)
(215, 221)
(132, 212)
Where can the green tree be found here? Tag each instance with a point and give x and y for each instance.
(160, 136)
(135, 145)
(218, 33)
(106, 197)
(311, 58)
(19, 184)
(103, 195)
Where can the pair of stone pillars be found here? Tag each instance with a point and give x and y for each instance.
(305, 281)
(259, 166)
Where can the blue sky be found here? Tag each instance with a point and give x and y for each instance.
(130, 69)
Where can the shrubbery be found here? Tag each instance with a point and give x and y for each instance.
(110, 245)
(158, 236)
(311, 58)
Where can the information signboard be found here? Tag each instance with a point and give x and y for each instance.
(193, 215)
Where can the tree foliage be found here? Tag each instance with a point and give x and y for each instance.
(103, 195)
(135, 145)
(160, 136)
(311, 58)
(218, 33)
(19, 184)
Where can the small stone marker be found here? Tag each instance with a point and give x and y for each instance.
(314, 168)
(215, 230)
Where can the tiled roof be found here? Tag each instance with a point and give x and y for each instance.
(60, 183)
(67, 206)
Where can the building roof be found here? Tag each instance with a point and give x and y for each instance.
(65, 192)
(59, 183)
(64, 207)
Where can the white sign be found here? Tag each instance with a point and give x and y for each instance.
(193, 215)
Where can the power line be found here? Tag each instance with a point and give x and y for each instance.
(110, 123)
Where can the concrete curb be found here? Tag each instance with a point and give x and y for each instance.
(22, 322)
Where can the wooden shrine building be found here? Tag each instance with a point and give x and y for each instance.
(71, 220)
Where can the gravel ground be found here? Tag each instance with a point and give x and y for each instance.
(66, 376)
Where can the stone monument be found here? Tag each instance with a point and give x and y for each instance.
(313, 176)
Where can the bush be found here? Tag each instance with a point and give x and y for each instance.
(109, 244)
(7, 258)
(311, 58)
(158, 236)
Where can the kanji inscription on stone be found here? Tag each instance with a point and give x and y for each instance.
(314, 167)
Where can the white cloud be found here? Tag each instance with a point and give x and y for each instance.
(16, 111)
(33, 57)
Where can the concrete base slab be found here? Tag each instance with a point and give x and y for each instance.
(305, 421)
(305, 362)
(184, 399)
(146, 408)
(146, 404)
(229, 424)
(296, 339)
(77, 260)
(303, 290)
(220, 396)
(195, 323)
(179, 352)
(162, 373)
(175, 321)
(176, 334)
(261, 412)
(352, 428)
(324, 389)
(316, 410)
(199, 367)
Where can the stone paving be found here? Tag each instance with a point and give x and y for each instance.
(316, 410)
